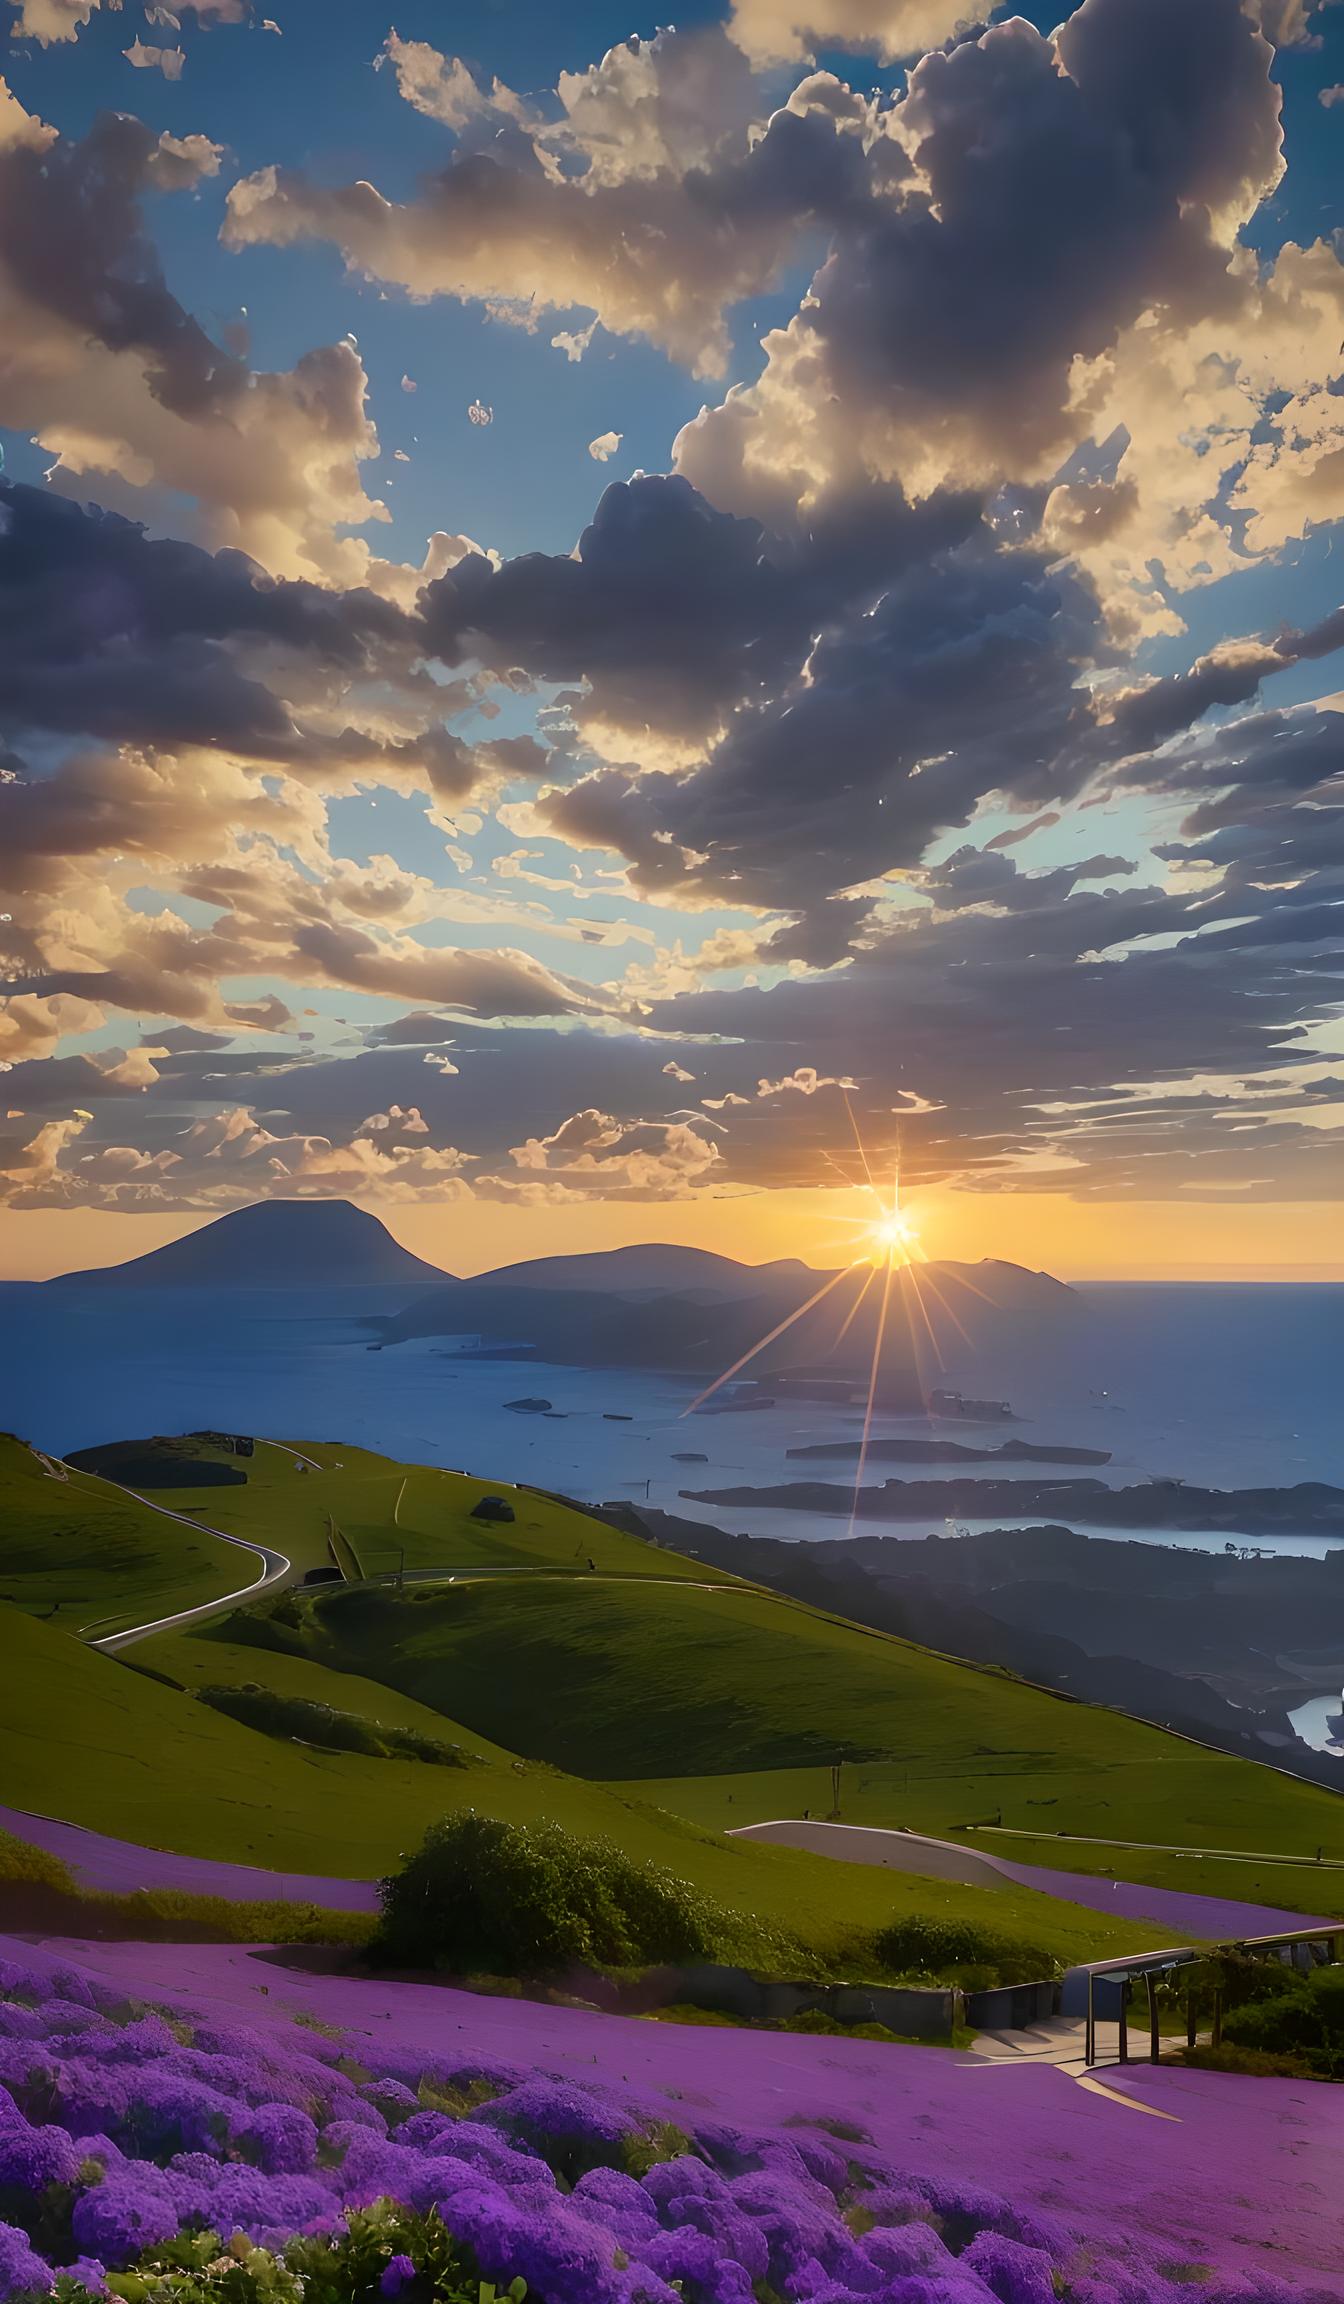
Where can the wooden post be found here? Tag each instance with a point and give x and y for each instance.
(1124, 2019)
(1090, 2032)
(1154, 2030)
(1217, 2016)
(1191, 2020)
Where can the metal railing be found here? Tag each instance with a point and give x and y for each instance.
(1153, 1966)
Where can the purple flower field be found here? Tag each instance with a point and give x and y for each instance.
(608, 2161)
(1187, 1915)
(121, 1866)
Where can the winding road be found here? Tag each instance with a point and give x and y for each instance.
(273, 1570)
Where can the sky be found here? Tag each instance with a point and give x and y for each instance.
(612, 631)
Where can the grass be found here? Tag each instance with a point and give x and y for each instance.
(384, 1509)
(87, 1738)
(730, 1706)
(77, 1549)
(209, 1658)
(675, 1709)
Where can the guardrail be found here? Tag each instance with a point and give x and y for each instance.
(1152, 1966)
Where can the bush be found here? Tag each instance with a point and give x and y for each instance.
(532, 1900)
(22, 1865)
(1301, 2019)
(921, 1945)
(303, 1719)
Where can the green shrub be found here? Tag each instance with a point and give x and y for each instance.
(302, 1719)
(963, 1951)
(1206, 2058)
(1301, 2017)
(22, 1865)
(532, 1900)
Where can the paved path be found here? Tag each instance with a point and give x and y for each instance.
(1211, 1917)
(1165, 1847)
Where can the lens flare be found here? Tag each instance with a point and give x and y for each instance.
(893, 1239)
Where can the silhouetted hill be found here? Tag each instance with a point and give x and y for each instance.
(273, 1244)
(654, 1268)
(679, 1308)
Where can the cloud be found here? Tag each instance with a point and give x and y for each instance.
(804, 1081)
(674, 612)
(147, 58)
(49, 21)
(776, 30)
(604, 447)
(120, 383)
(54, 21)
(650, 204)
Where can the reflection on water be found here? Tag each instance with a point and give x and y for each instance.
(1312, 1723)
(1222, 1386)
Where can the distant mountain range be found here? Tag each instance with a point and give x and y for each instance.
(273, 1244)
(653, 1305)
(681, 1308)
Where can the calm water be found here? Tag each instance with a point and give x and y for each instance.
(1312, 1722)
(1227, 1386)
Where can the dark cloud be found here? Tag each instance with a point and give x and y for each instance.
(72, 238)
(673, 612)
(125, 637)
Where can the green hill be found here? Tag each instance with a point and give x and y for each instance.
(390, 1514)
(665, 1682)
(76, 1547)
(91, 1739)
(585, 1650)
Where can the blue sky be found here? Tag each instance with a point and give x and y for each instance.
(672, 809)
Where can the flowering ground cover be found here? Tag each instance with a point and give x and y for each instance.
(122, 1867)
(607, 2161)
(1186, 1915)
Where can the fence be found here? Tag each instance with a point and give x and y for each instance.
(1114, 1978)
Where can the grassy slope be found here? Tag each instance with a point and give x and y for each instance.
(203, 1659)
(78, 1544)
(657, 1684)
(383, 1507)
(87, 1738)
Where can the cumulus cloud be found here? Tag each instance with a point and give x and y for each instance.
(649, 205)
(122, 385)
(776, 30)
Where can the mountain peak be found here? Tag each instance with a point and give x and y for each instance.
(274, 1244)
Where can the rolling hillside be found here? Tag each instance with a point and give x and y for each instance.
(670, 1682)
(96, 1741)
(75, 1547)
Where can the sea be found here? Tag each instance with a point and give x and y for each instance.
(1224, 1386)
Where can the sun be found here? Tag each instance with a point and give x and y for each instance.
(893, 1239)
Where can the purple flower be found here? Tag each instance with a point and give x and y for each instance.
(20, 2023)
(33, 2158)
(1016, 2275)
(280, 2138)
(397, 2274)
(90, 2274)
(561, 2121)
(22, 2273)
(118, 2219)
